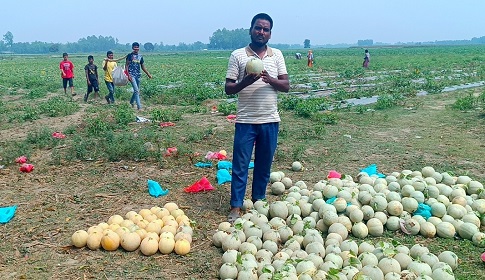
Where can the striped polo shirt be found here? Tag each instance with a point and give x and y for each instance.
(257, 103)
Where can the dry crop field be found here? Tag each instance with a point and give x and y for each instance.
(427, 110)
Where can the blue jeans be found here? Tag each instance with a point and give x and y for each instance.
(111, 90)
(135, 83)
(264, 139)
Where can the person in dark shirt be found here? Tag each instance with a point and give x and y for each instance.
(365, 64)
(134, 65)
(91, 71)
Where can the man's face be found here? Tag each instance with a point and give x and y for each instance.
(65, 57)
(136, 49)
(91, 60)
(260, 32)
(110, 56)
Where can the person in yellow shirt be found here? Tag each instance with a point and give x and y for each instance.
(109, 64)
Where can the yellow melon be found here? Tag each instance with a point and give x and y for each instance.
(94, 228)
(155, 209)
(110, 241)
(115, 219)
(182, 247)
(183, 235)
(130, 214)
(169, 228)
(79, 238)
(130, 241)
(145, 212)
(94, 240)
(153, 235)
(121, 230)
(162, 213)
(153, 227)
(166, 245)
(177, 212)
(170, 206)
(127, 223)
(167, 234)
(149, 246)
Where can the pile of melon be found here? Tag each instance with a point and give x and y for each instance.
(159, 229)
(312, 232)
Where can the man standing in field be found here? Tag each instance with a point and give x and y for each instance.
(91, 72)
(134, 65)
(67, 73)
(257, 120)
(108, 66)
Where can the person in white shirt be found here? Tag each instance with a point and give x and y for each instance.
(257, 119)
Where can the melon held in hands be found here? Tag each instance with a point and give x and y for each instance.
(254, 66)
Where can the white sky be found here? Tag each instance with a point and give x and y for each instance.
(175, 21)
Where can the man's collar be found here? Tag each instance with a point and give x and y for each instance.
(250, 52)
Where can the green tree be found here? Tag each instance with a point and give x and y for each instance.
(148, 46)
(8, 38)
(54, 48)
(229, 39)
(306, 44)
(366, 42)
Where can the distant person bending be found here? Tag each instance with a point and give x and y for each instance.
(134, 65)
(310, 58)
(257, 120)
(67, 73)
(91, 71)
(366, 59)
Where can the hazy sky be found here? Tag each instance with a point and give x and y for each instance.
(172, 22)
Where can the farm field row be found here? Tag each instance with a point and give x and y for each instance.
(101, 167)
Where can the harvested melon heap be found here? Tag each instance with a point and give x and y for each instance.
(159, 229)
(318, 232)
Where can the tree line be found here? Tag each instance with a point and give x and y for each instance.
(221, 39)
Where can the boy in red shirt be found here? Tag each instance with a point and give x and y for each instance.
(67, 73)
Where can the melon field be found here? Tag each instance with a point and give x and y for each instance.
(417, 114)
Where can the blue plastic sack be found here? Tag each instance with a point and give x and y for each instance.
(372, 170)
(423, 210)
(331, 200)
(155, 189)
(7, 213)
(223, 176)
(203, 164)
(251, 165)
(223, 164)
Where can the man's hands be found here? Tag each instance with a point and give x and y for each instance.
(267, 78)
(249, 79)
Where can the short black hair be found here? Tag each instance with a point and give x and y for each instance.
(135, 44)
(65, 54)
(90, 57)
(262, 16)
(108, 53)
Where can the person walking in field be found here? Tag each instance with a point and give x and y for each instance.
(310, 58)
(134, 65)
(257, 119)
(91, 71)
(109, 65)
(365, 64)
(67, 73)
